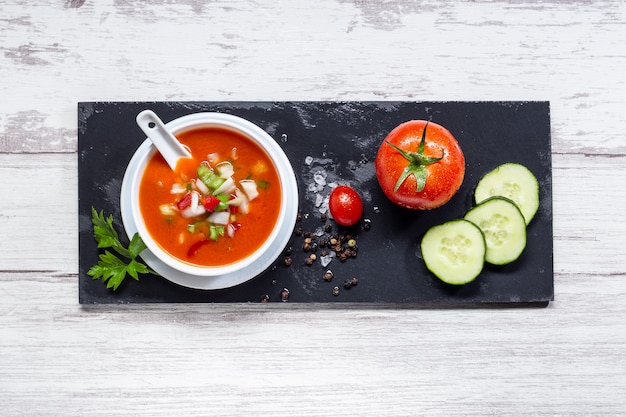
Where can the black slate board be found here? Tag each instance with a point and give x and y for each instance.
(340, 139)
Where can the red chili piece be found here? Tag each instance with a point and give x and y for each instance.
(233, 209)
(196, 247)
(210, 202)
(184, 202)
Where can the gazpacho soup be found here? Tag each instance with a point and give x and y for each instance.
(217, 207)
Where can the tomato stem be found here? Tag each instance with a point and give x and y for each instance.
(417, 163)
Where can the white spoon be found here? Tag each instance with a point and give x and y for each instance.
(166, 143)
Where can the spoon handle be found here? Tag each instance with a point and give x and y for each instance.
(165, 142)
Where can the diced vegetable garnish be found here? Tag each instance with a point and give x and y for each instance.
(178, 188)
(259, 168)
(201, 187)
(209, 177)
(184, 202)
(249, 187)
(226, 187)
(243, 206)
(167, 210)
(225, 169)
(195, 199)
(219, 217)
(215, 232)
(213, 202)
(213, 158)
(210, 202)
(196, 247)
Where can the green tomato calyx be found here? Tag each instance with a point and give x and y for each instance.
(417, 163)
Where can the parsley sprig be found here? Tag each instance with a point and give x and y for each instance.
(111, 269)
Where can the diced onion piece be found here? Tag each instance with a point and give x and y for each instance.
(237, 201)
(234, 153)
(213, 158)
(249, 187)
(225, 169)
(178, 188)
(195, 208)
(195, 200)
(200, 186)
(191, 212)
(226, 187)
(219, 217)
(230, 230)
(243, 206)
(167, 210)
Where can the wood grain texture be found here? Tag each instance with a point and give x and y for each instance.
(60, 358)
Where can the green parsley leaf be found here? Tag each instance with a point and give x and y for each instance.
(105, 233)
(111, 269)
(136, 246)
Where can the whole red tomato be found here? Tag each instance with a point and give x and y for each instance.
(345, 205)
(420, 165)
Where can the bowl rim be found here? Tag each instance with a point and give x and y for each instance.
(132, 218)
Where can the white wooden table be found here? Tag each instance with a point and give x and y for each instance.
(60, 358)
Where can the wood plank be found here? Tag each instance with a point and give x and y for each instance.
(161, 353)
(552, 53)
(38, 217)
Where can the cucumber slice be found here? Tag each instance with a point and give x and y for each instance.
(454, 251)
(503, 226)
(513, 181)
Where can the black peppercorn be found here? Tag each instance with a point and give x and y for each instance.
(328, 275)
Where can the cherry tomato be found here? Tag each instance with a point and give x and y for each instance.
(420, 165)
(345, 205)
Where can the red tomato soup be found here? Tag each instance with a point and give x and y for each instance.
(195, 215)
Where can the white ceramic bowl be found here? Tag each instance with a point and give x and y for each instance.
(195, 276)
